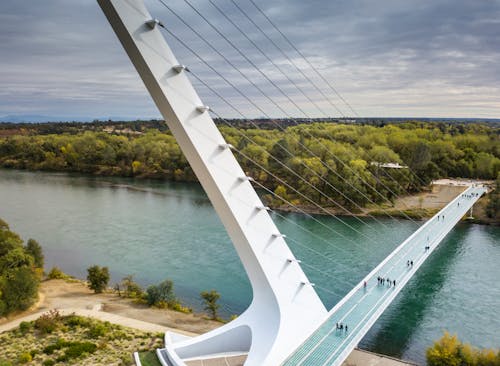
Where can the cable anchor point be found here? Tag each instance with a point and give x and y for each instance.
(180, 68)
(153, 23)
(203, 108)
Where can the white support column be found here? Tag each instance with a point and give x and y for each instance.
(285, 309)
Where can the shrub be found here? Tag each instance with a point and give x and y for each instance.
(77, 321)
(98, 278)
(48, 363)
(131, 288)
(48, 322)
(24, 327)
(77, 349)
(97, 330)
(183, 309)
(56, 274)
(24, 357)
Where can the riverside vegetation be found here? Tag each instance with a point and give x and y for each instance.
(450, 351)
(53, 339)
(432, 150)
(21, 269)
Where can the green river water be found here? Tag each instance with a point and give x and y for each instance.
(156, 230)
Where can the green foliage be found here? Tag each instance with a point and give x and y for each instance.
(98, 330)
(77, 321)
(449, 351)
(35, 249)
(19, 279)
(98, 278)
(24, 327)
(48, 362)
(131, 288)
(56, 274)
(162, 293)
(431, 149)
(24, 358)
(210, 298)
(21, 288)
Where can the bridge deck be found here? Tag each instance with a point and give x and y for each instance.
(363, 305)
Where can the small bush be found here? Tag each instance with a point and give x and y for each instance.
(60, 343)
(48, 363)
(24, 327)
(131, 288)
(24, 357)
(97, 330)
(177, 306)
(77, 349)
(77, 321)
(48, 322)
(56, 274)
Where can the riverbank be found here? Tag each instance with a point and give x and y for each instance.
(74, 297)
(420, 206)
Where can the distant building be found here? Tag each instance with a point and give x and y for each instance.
(389, 165)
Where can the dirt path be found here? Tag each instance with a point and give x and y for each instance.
(69, 297)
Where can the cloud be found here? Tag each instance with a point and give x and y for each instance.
(389, 58)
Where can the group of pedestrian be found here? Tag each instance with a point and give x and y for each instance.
(427, 247)
(409, 263)
(342, 327)
(441, 216)
(382, 281)
(469, 196)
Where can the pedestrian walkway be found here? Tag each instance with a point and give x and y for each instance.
(353, 316)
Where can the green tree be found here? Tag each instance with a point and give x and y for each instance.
(35, 250)
(210, 298)
(98, 278)
(163, 293)
(20, 290)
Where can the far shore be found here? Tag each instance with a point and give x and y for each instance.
(420, 206)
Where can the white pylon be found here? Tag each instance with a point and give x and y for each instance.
(285, 308)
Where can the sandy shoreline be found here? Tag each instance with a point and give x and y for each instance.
(74, 296)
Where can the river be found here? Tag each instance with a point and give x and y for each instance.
(156, 230)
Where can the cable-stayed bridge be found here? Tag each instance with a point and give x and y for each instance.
(286, 323)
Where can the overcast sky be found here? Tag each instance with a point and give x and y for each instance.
(394, 58)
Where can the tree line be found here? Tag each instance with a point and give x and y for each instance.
(302, 160)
